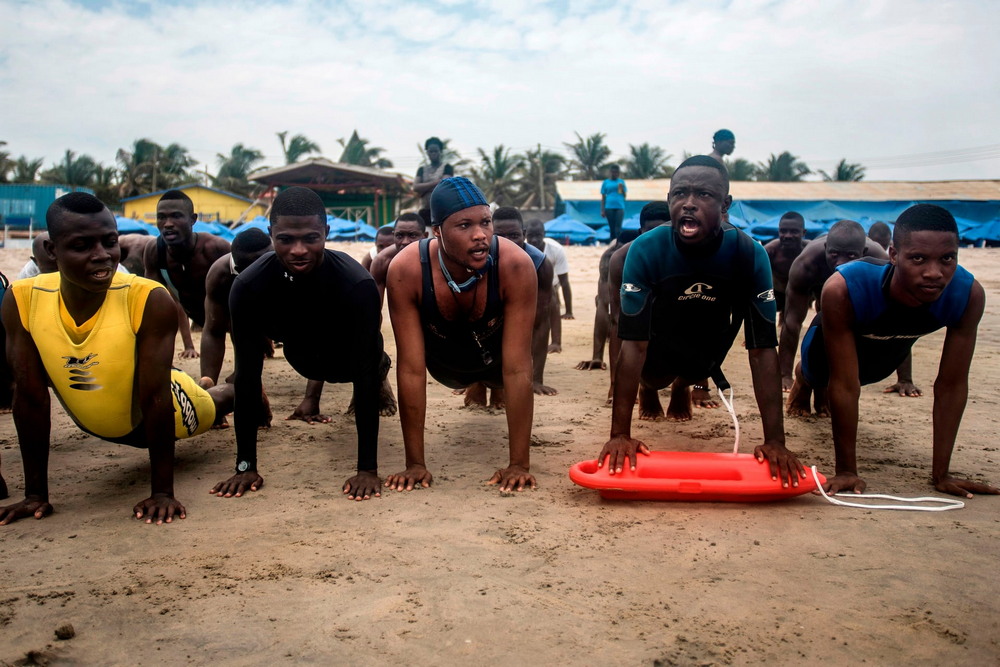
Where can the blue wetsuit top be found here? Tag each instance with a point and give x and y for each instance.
(884, 330)
(689, 302)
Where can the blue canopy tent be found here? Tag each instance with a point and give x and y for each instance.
(566, 230)
(260, 222)
(215, 229)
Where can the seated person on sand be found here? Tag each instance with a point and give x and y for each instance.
(686, 289)
(535, 234)
(782, 251)
(383, 240)
(103, 341)
(845, 243)
(324, 307)
(180, 259)
(880, 233)
(873, 312)
(652, 215)
(463, 307)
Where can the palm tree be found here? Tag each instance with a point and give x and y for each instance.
(25, 170)
(6, 164)
(588, 156)
(235, 167)
(645, 161)
(73, 170)
(740, 169)
(541, 170)
(785, 167)
(357, 151)
(149, 167)
(297, 147)
(845, 171)
(106, 185)
(498, 175)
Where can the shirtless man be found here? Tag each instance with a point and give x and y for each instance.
(723, 144)
(324, 307)
(873, 312)
(602, 318)
(383, 240)
(409, 228)
(782, 251)
(103, 341)
(844, 243)
(711, 277)
(463, 308)
(880, 233)
(180, 259)
(508, 224)
(535, 234)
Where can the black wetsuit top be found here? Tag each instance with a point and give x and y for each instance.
(329, 321)
(459, 353)
(195, 309)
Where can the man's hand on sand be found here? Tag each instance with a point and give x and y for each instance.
(363, 486)
(592, 365)
(412, 477)
(27, 507)
(308, 411)
(784, 465)
(238, 484)
(188, 353)
(159, 508)
(513, 478)
(964, 487)
(620, 449)
(904, 389)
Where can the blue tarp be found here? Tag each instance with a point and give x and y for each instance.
(349, 230)
(565, 229)
(130, 226)
(214, 229)
(260, 222)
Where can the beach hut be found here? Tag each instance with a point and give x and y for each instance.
(211, 205)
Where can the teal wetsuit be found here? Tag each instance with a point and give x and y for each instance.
(690, 302)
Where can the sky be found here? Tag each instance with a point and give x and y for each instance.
(903, 87)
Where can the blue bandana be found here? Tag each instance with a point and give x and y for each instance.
(453, 195)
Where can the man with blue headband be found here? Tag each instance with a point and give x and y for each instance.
(462, 305)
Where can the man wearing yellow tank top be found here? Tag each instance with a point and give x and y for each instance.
(104, 342)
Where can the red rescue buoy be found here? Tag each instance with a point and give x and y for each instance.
(691, 476)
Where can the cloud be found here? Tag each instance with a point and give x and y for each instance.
(824, 80)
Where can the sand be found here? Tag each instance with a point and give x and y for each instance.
(459, 574)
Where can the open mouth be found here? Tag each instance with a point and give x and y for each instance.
(101, 274)
(688, 226)
(480, 253)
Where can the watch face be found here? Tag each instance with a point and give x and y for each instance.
(242, 466)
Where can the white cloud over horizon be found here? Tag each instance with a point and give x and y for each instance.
(873, 82)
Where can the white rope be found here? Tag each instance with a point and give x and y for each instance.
(732, 413)
(945, 503)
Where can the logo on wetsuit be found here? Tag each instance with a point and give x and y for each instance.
(697, 291)
(629, 287)
(766, 295)
(80, 376)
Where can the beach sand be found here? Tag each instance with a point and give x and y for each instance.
(458, 574)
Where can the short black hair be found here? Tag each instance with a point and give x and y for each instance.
(923, 218)
(82, 203)
(794, 215)
(508, 213)
(384, 230)
(177, 195)
(413, 217)
(433, 140)
(297, 200)
(879, 228)
(247, 243)
(706, 161)
(848, 228)
(654, 210)
(534, 222)
(724, 135)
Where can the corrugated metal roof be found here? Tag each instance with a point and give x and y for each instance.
(656, 189)
(321, 170)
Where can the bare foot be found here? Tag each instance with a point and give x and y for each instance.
(543, 390)
(386, 400)
(475, 395)
(821, 403)
(555, 348)
(458, 392)
(650, 408)
(497, 401)
(702, 398)
(206, 382)
(679, 408)
(3, 488)
(221, 424)
(798, 400)
(266, 413)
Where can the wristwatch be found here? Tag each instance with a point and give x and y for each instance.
(243, 466)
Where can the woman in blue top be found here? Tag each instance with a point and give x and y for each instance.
(613, 193)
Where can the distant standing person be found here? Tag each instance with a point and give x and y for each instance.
(723, 144)
(180, 259)
(560, 266)
(429, 175)
(613, 193)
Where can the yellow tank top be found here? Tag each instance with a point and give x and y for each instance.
(91, 366)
